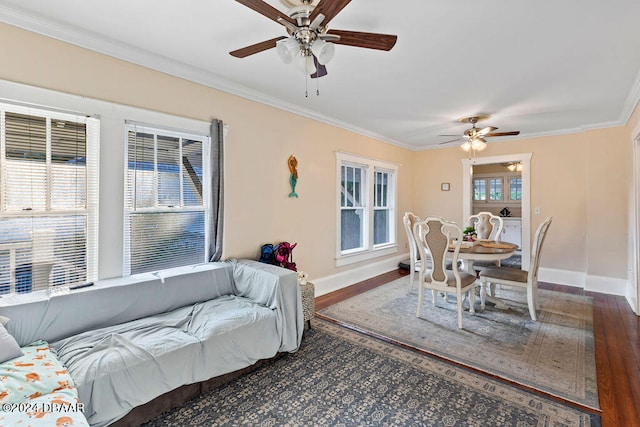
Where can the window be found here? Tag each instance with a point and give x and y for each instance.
(488, 189)
(366, 214)
(48, 199)
(164, 200)
(382, 208)
(495, 188)
(479, 189)
(515, 188)
(352, 212)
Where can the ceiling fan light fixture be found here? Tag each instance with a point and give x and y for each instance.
(288, 49)
(466, 146)
(323, 50)
(478, 144)
(306, 65)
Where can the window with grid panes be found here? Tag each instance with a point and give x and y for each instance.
(479, 189)
(164, 200)
(48, 198)
(352, 207)
(495, 188)
(515, 188)
(381, 208)
(367, 195)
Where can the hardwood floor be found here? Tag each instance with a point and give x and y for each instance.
(616, 332)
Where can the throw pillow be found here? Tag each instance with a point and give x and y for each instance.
(9, 348)
(4, 320)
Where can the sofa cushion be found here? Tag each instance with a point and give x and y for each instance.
(35, 374)
(123, 366)
(9, 348)
(51, 316)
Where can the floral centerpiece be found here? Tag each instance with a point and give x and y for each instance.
(469, 234)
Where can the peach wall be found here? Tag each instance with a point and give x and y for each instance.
(258, 143)
(576, 178)
(579, 179)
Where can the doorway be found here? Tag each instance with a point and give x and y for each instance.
(633, 295)
(467, 188)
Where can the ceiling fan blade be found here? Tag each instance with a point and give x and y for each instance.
(486, 130)
(256, 48)
(366, 40)
(329, 8)
(451, 140)
(321, 70)
(517, 132)
(329, 37)
(266, 10)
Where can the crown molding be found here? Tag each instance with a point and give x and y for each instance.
(632, 101)
(128, 53)
(123, 51)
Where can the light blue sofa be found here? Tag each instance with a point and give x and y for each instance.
(127, 341)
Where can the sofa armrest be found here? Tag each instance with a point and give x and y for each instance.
(276, 288)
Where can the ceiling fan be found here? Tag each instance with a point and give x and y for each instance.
(474, 138)
(309, 40)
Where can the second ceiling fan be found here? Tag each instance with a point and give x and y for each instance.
(474, 138)
(309, 39)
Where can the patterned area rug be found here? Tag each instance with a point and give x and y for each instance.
(554, 355)
(344, 378)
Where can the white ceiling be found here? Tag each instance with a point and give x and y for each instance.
(543, 67)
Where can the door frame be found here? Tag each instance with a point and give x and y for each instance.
(525, 159)
(633, 294)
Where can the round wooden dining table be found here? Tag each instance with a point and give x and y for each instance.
(485, 250)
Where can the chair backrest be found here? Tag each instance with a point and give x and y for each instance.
(408, 220)
(487, 225)
(540, 235)
(433, 236)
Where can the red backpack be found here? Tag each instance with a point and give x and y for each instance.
(284, 255)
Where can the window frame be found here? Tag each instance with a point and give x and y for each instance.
(91, 180)
(129, 203)
(517, 186)
(368, 249)
(505, 179)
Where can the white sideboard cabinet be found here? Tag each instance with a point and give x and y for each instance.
(512, 231)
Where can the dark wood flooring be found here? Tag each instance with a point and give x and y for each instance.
(617, 340)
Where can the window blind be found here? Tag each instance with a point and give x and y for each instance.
(48, 198)
(164, 200)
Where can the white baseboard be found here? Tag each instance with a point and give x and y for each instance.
(632, 301)
(562, 277)
(606, 285)
(588, 282)
(327, 284)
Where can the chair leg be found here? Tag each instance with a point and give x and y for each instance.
(472, 300)
(411, 277)
(531, 301)
(420, 293)
(434, 296)
(492, 290)
(483, 293)
(459, 298)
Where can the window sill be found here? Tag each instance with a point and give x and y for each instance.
(343, 260)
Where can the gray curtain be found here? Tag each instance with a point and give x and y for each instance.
(216, 216)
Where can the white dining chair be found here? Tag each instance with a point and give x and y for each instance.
(518, 277)
(487, 225)
(415, 262)
(433, 236)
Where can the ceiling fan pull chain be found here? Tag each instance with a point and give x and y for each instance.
(306, 78)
